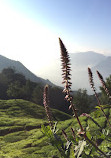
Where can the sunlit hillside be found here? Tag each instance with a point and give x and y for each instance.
(20, 129)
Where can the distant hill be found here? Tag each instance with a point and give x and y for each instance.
(79, 64)
(104, 66)
(20, 68)
(86, 58)
(81, 61)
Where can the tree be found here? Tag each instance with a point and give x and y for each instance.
(57, 101)
(82, 101)
(9, 74)
(37, 95)
(14, 90)
(8, 78)
(28, 90)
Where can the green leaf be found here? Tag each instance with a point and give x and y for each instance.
(47, 131)
(67, 148)
(97, 107)
(79, 149)
(106, 106)
(97, 113)
(55, 130)
(102, 136)
(88, 135)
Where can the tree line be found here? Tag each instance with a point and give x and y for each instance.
(14, 85)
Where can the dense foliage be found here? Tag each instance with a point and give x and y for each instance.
(82, 101)
(14, 85)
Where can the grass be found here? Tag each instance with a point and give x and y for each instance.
(20, 133)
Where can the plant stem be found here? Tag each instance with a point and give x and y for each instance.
(93, 144)
(75, 113)
(85, 136)
(66, 77)
(99, 104)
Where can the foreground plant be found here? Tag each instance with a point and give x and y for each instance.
(46, 105)
(96, 95)
(81, 139)
(67, 89)
(51, 130)
(103, 84)
(66, 79)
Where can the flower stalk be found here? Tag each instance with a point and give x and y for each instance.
(46, 105)
(88, 116)
(96, 95)
(65, 59)
(92, 85)
(67, 89)
(73, 133)
(103, 84)
(65, 135)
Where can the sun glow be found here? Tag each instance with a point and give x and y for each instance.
(26, 40)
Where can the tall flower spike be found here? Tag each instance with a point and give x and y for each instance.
(103, 84)
(96, 95)
(92, 85)
(91, 80)
(65, 68)
(46, 105)
(66, 78)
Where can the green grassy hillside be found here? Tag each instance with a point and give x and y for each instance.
(20, 133)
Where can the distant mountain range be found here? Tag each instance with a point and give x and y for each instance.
(20, 68)
(79, 64)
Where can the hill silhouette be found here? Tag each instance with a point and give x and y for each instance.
(20, 68)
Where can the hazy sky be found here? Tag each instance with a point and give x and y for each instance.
(29, 29)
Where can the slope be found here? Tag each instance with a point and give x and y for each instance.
(104, 67)
(20, 68)
(20, 122)
(20, 134)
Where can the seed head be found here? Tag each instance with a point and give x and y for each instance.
(91, 79)
(103, 84)
(65, 69)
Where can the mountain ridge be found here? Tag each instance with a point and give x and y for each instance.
(79, 64)
(20, 68)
